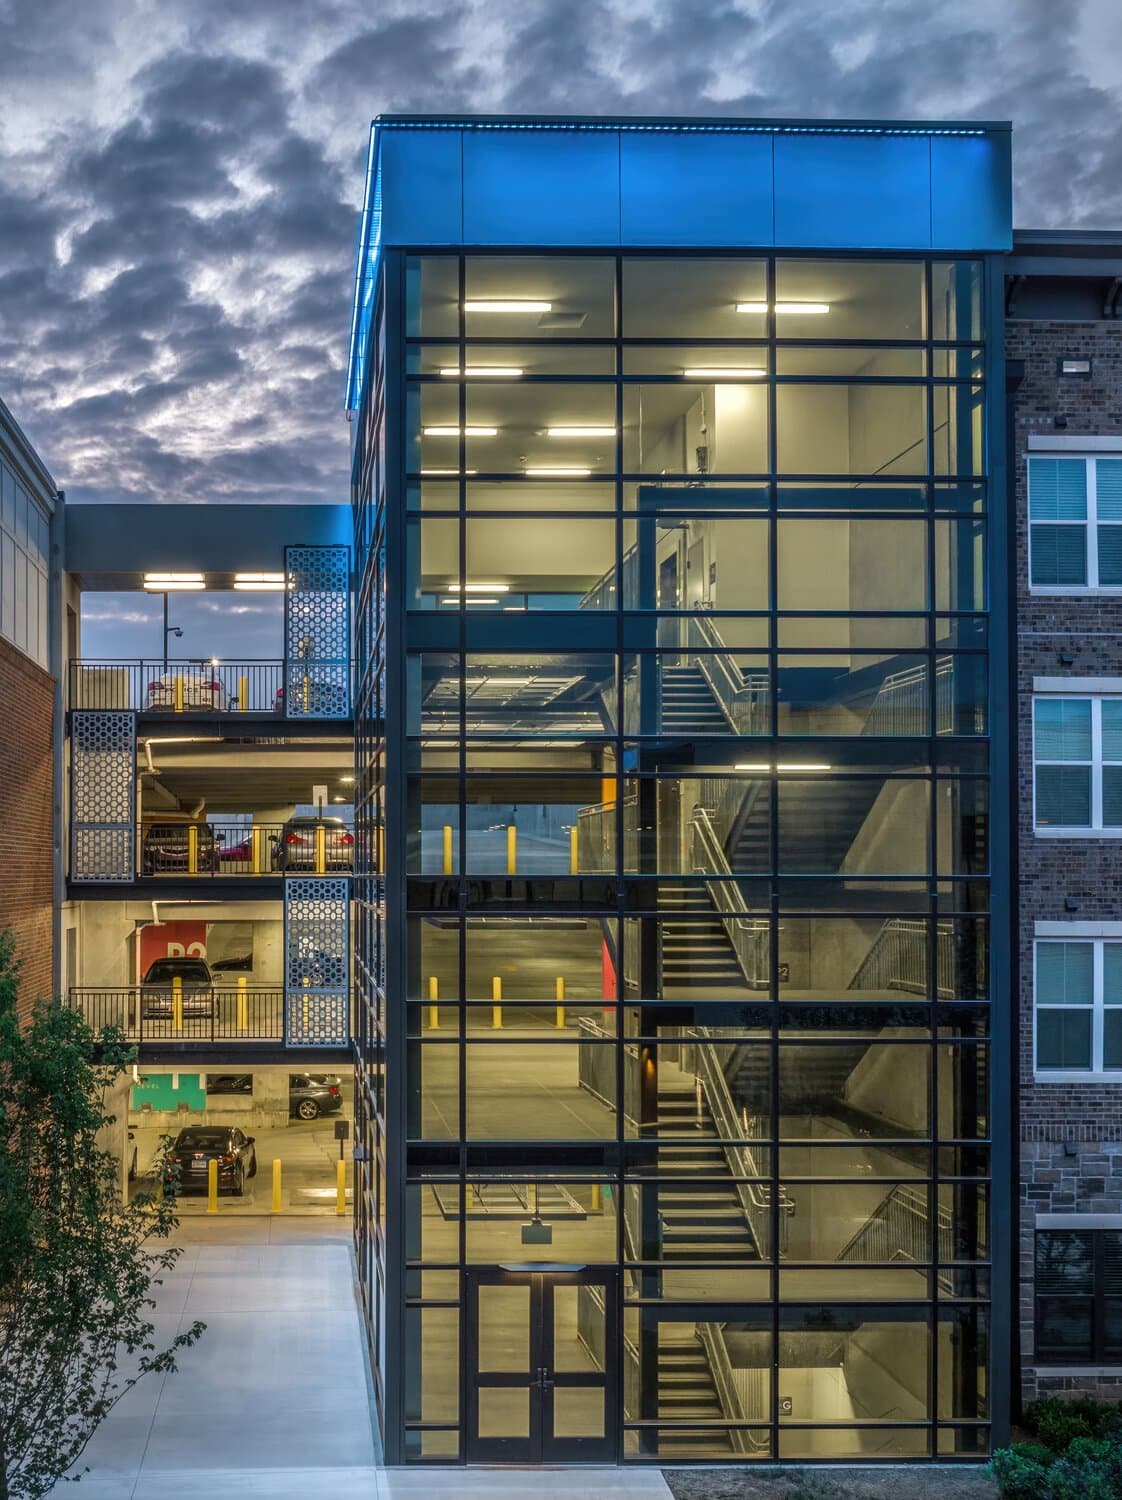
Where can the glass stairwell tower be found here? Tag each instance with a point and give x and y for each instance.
(682, 888)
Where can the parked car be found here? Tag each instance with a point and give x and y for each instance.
(242, 964)
(229, 1083)
(307, 1099)
(197, 1146)
(296, 847)
(157, 989)
(200, 688)
(166, 849)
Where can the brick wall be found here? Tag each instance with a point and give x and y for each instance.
(1070, 1134)
(26, 816)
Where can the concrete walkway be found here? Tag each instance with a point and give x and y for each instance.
(274, 1400)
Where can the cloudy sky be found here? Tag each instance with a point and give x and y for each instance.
(180, 179)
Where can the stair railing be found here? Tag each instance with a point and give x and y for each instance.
(749, 935)
(743, 699)
(897, 959)
(596, 838)
(712, 1339)
(898, 1229)
(900, 706)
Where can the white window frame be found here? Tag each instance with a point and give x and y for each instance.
(1090, 525)
(1081, 691)
(1098, 934)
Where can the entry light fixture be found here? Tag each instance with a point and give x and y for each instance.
(726, 372)
(161, 583)
(259, 582)
(556, 471)
(507, 305)
(580, 432)
(485, 372)
(784, 307)
(456, 431)
(782, 766)
(478, 588)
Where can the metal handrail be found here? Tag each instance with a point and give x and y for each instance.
(711, 1338)
(897, 959)
(177, 686)
(898, 1229)
(902, 698)
(741, 699)
(749, 935)
(222, 1011)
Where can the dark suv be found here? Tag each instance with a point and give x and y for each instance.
(309, 1097)
(166, 849)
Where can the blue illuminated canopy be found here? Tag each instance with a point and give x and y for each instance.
(442, 182)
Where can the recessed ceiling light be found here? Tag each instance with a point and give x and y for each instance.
(556, 471)
(346, 780)
(494, 372)
(507, 305)
(725, 372)
(455, 431)
(579, 432)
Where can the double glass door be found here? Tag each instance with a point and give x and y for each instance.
(542, 1361)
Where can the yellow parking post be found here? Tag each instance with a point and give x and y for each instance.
(559, 1017)
(177, 1004)
(434, 1009)
(307, 692)
(255, 837)
(212, 1185)
(511, 849)
(243, 694)
(496, 1003)
(321, 849)
(192, 849)
(573, 861)
(597, 1198)
(178, 693)
(381, 846)
(447, 863)
(276, 1185)
(305, 1008)
(340, 1187)
(243, 1004)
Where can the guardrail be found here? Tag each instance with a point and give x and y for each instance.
(222, 1012)
(209, 849)
(178, 687)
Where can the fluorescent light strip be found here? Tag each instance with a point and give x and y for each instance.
(784, 307)
(258, 577)
(167, 583)
(506, 305)
(173, 577)
(578, 432)
(493, 372)
(455, 599)
(260, 583)
(726, 372)
(260, 588)
(478, 588)
(782, 767)
(555, 471)
(456, 431)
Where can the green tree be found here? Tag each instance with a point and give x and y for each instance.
(77, 1264)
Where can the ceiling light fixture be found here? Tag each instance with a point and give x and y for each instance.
(578, 432)
(455, 431)
(506, 305)
(161, 583)
(492, 372)
(782, 767)
(726, 372)
(556, 471)
(478, 588)
(260, 582)
(784, 307)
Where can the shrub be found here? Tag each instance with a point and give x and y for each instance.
(1089, 1469)
(1058, 1423)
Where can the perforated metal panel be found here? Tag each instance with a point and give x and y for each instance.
(317, 633)
(317, 947)
(102, 795)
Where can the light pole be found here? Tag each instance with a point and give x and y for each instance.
(175, 630)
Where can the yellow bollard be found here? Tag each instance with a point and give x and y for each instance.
(434, 1009)
(307, 693)
(178, 693)
(243, 1004)
(276, 1185)
(243, 694)
(193, 849)
(340, 1187)
(212, 1185)
(305, 1009)
(447, 849)
(573, 860)
(597, 1198)
(321, 849)
(381, 847)
(496, 1003)
(559, 1017)
(255, 837)
(511, 849)
(177, 1004)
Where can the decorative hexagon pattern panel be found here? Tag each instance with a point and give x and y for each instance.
(317, 914)
(317, 633)
(102, 795)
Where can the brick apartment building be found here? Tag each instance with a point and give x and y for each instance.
(1064, 352)
(29, 768)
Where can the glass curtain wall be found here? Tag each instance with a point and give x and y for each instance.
(695, 767)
